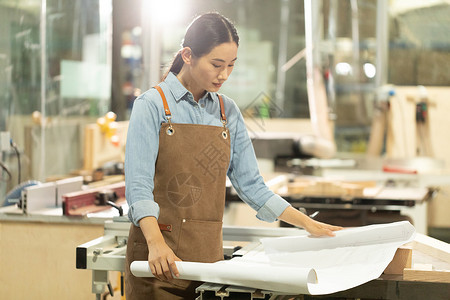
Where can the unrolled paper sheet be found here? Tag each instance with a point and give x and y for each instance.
(303, 264)
(353, 257)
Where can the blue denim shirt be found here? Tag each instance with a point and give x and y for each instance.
(143, 144)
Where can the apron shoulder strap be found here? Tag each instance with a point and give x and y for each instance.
(163, 97)
(169, 114)
(222, 109)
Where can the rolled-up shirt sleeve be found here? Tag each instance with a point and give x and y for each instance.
(140, 157)
(246, 179)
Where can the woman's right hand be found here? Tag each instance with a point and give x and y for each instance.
(161, 260)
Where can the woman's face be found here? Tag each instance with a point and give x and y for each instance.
(211, 70)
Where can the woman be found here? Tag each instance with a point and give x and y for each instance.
(183, 140)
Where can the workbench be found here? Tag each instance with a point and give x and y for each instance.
(391, 287)
(376, 205)
(37, 255)
(107, 253)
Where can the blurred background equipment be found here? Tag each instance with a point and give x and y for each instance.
(346, 103)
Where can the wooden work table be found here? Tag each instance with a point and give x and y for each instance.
(37, 256)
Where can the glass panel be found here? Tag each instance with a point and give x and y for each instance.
(20, 81)
(48, 97)
(419, 51)
(253, 83)
(346, 31)
(348, 60)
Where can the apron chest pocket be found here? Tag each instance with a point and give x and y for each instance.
(200, 241)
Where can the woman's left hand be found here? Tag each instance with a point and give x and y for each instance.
(315, 228)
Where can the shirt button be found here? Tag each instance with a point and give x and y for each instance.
(202, 105)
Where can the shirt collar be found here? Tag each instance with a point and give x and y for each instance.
(179, 91)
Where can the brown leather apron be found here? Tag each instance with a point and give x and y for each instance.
(190, 177)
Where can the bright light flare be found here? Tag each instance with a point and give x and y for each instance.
(344, 69)
(370, 70)
(164, 11)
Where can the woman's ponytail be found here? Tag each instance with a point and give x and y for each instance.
(175, 67)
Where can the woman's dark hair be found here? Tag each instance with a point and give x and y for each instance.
(202, 35)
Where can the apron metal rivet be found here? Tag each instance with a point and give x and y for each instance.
(170, 131)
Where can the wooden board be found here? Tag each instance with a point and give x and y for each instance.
(430, 260)
(401, 137)
(325, 188)
(98, 149)
(402, 259)
(432, 247)
(426, 275)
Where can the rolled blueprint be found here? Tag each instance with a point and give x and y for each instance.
(303, 264)
(240, 272)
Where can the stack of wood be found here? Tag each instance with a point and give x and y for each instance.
(328, 188)
(424, 259)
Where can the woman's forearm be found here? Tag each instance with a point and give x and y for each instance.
(151, 231)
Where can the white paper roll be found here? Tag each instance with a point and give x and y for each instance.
(242, 273)
(304, 265)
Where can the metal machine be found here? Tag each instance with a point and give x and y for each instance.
(389, 196)
(107, 253)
